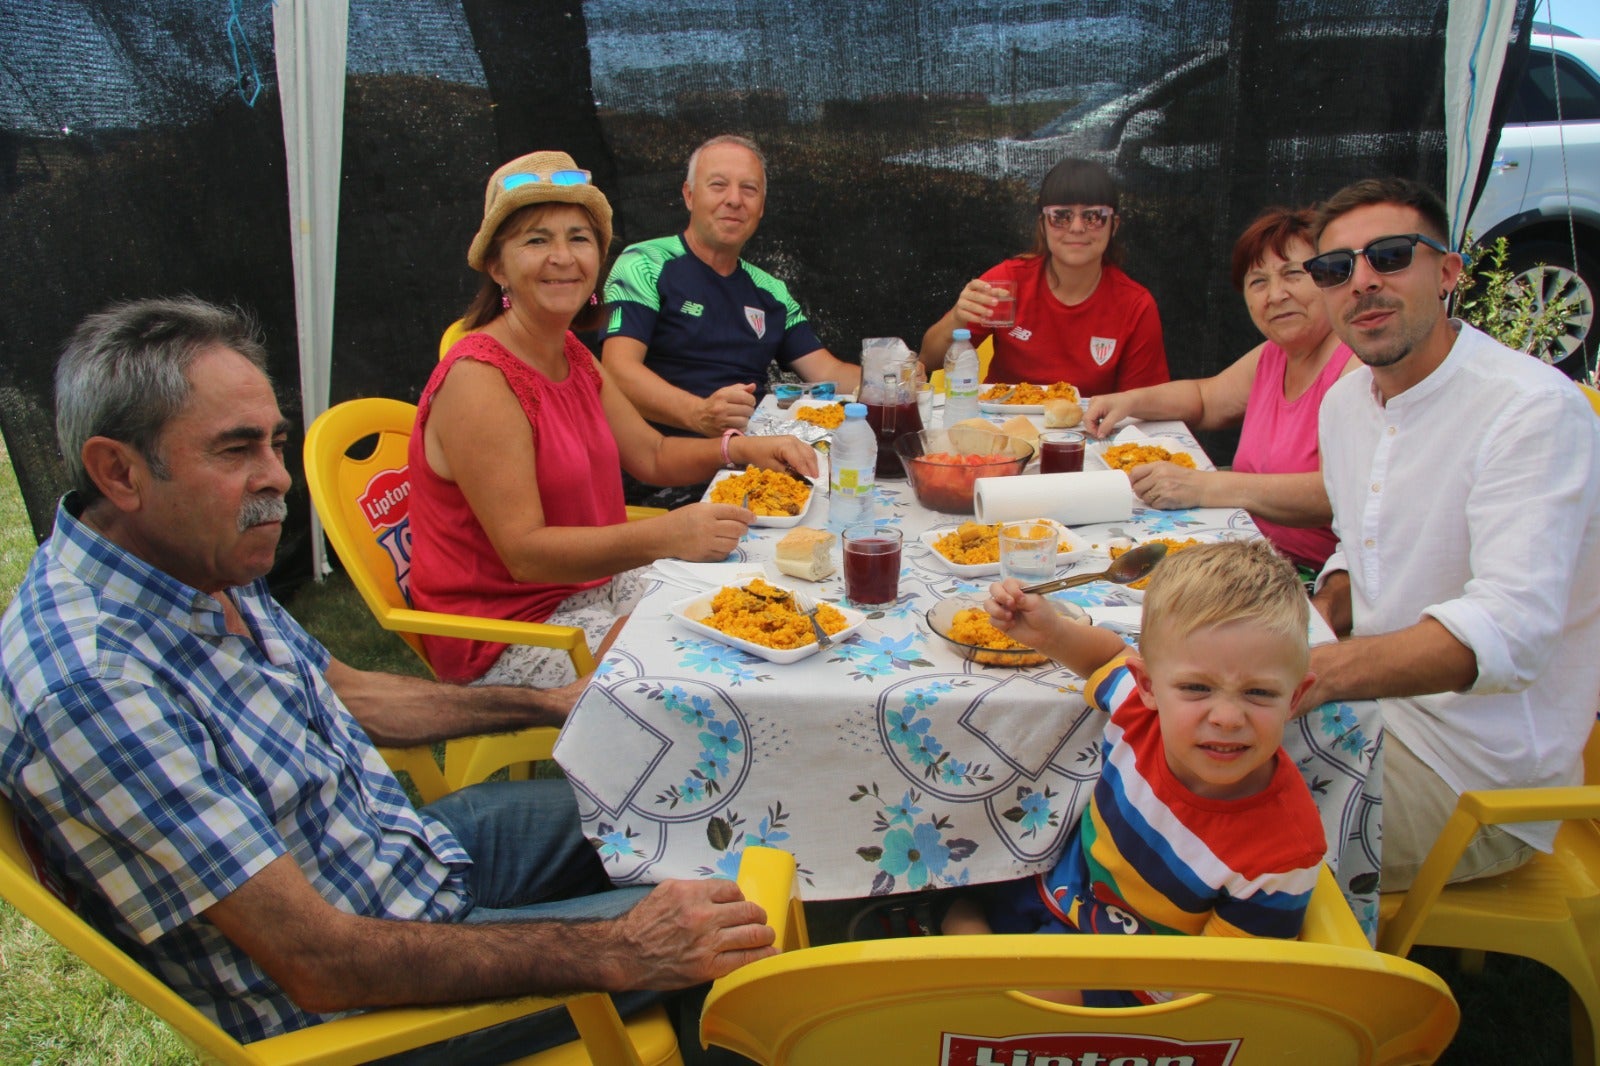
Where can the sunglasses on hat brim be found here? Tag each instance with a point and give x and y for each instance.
(559, 177)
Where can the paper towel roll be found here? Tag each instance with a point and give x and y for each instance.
(1077, 499)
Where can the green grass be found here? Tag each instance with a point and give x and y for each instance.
(55, 1010)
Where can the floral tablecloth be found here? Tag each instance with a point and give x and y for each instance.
(887, 763)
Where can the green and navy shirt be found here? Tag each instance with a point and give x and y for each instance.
(704, 331)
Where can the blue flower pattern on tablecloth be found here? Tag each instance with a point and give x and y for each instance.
(770, 832)
(1034, 812)
(916, 851)
(1154, 523)
(909, 729)
(882, 656)
(917, 854)
(905, 812)
(719, 739)
(714, 657)
(1338, 720)
(613, 843)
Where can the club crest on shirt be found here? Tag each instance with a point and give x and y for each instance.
(757, 319)
(1101, 349)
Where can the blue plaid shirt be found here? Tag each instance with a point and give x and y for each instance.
(163, 761)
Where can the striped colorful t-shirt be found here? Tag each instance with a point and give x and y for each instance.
(1150, 856)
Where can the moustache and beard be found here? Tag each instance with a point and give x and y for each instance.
(1397, 347)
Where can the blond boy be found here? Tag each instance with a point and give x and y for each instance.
(1200, 823)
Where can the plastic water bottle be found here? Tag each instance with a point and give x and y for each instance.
(961, 378)
(852, 469)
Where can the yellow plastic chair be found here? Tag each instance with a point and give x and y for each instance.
(985, 356)
(1328, 998)
(1591, 394)
(1547, 910)
(350, 493)
(452, 333)
(647, 1039)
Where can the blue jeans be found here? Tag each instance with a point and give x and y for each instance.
(530, 861)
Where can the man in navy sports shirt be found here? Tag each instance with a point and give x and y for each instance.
(693, 328)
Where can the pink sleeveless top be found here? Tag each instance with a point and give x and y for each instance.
(1280, 437)
(454, 566)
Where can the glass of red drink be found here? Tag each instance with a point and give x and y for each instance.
(872, 565)
(1061, 451)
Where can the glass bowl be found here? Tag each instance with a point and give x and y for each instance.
(941, 616)
(945, 484)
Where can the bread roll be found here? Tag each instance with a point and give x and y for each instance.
(806, 553)
(1021, 426)
(1062, 414)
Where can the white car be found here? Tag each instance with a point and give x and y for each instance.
(1543, 191)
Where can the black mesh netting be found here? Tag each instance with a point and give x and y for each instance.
(905, 137)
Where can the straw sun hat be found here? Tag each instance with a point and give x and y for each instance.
(537, 178)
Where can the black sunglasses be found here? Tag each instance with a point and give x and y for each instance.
(1386, 255)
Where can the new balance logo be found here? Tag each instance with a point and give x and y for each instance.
(692, 309)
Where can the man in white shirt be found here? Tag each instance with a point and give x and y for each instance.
(1465, 483)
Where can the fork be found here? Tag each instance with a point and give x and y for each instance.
(804, 604)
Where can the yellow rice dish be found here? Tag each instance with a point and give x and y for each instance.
(971, 626)
(829, 417)
(1128, 456)
(1030, 395)
(1173, 545)
(765, 614)
(973, 543)
(772, 492)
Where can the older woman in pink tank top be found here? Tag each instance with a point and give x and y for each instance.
(1274, 389)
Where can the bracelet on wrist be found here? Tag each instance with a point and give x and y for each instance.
(727, 435)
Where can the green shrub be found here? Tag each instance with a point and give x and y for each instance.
(1491, 296)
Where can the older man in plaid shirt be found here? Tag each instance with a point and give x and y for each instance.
(203, 773)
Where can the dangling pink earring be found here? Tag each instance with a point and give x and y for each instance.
(505, 298)
(594, 299)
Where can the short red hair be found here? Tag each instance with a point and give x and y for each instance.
(1272, 231)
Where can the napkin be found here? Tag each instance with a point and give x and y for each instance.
(1076, 499)
(1117, 616)
(699, 576)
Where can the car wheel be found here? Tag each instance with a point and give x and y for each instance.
(1546, 266)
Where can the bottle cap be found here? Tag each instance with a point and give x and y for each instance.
(855, 410)
(961, 335)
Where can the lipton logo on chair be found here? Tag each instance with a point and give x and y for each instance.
(386, 501)
(1084, 1049)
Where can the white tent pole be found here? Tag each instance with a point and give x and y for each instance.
(310, 38)
(1477, 35)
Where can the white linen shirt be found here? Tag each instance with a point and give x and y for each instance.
(1474, 497)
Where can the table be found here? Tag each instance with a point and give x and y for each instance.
(887, 763)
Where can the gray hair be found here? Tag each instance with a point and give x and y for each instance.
(124, 373)
(726, 138)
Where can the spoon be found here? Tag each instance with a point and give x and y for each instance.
(1125, 569)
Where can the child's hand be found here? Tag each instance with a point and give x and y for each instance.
(1025, 617)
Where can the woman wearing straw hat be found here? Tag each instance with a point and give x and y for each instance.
(521, 437)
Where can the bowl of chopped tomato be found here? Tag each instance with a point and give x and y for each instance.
(942, 464)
